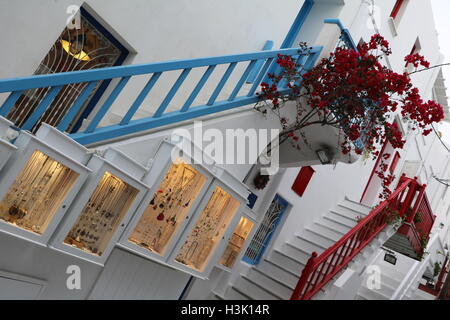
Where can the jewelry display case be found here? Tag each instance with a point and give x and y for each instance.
(178, 187)
(103, 208)
(237, 242)
(6, 148)
(169, 207)
(39, 183)
(209, 230)
(188, 194)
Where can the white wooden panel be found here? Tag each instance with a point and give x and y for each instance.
(128, 276)
(16, 287)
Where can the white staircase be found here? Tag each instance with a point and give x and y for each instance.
(390, 281)
(276, 276)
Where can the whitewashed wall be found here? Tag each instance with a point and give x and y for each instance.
(203, 28)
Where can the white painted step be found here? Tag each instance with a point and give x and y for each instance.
(279, 272)
(342, 217)
(372, 294)
(338, 223)
(317, 237)
(234, 294)
(254, 290)
(307, 245)
(348, 212)
(270, 283)
(325, 231)
(289, 263)
(356, 206)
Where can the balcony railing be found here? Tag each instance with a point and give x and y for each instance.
(53, 83)
(320, 269)
(412, 237)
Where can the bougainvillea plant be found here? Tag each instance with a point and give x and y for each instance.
(353, 91)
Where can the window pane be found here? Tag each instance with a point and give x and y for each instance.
(209, 230)
(168, 208)
(37, 193)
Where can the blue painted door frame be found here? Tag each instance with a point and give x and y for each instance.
(102, 88)
(270, 232)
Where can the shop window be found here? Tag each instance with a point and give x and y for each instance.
(102, 215)
(86, 46)
(37, 193)
(208, 231)
(302, 180)
(236, 243)
(168, 208)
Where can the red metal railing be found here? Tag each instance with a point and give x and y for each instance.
(436, 289)
(321, 269)
(419, 222)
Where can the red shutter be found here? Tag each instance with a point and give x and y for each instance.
(396, 9)
(394, 162)
(302, 180)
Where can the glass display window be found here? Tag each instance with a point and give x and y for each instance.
(101, 211)
(200, 245)
(36, 194)
(38, 184)
(168, 208)
(101, 215)
(236, 243)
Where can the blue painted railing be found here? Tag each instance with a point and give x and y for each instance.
(95, 134)
(346, 37)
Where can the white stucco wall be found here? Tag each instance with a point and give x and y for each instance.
(166, 30)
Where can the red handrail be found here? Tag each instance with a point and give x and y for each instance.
(320, 269)
(426, 217)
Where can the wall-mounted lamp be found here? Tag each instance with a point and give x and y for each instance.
(390, 258)
(323, 156)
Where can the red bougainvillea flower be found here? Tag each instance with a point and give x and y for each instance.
(353, 91)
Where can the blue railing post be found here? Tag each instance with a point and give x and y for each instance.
(348, 39)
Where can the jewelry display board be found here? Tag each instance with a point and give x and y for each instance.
(208, 231)
(36, 194)
(168, 207)
(102, 210)
(39, 182)
(236, 242)
(101, 215)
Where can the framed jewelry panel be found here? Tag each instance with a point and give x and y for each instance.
(6, 148)
(101, 212)
(38, 184)
(200, 247)
(166, 209)
(237, 242)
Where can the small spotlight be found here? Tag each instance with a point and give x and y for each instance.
(323, 157)
(390, 258)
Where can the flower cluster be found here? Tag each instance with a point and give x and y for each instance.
(416, 60)
(353, 91)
